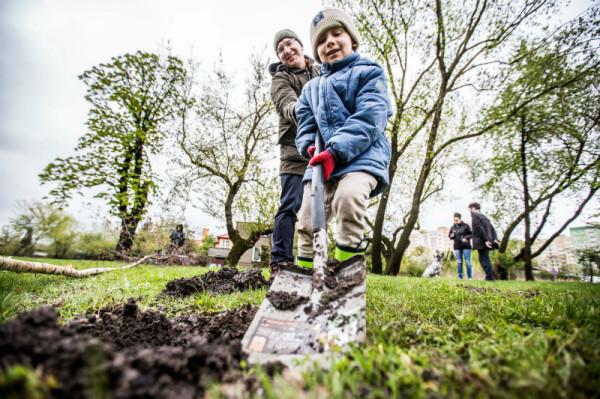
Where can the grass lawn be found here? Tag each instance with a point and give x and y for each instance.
(426, 338)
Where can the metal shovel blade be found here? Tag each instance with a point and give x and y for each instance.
(311, 331)
(310, 314)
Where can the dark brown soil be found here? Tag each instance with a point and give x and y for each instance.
(339, 287)
(285, 300)
(128, 353)
(528, 293)
(183, 260)
(222, 281)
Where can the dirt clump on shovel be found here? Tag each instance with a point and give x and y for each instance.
(125, 352)
(286, 300)
(222, 281)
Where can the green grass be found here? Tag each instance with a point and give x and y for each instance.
(426, 338)
(73, 296)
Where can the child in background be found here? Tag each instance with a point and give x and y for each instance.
(349, 105)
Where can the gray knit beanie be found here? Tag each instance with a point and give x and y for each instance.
(330, 18)
(284, 34)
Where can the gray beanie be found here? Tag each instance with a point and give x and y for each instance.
(330, 18)
(283, 34)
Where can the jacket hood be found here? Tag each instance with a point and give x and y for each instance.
(279, 66)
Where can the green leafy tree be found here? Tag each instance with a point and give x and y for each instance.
(550, 149)
(209, 241)
(589, 258)
(9, 241)
(436, 54)
(133, 100)
(38, 222)
(224, 145)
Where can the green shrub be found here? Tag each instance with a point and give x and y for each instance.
(9, 242)
(62, 247)
(414, 266)
(23, 382)
(94, 246)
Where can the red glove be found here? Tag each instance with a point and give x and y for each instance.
(311, 151)
(326, 159)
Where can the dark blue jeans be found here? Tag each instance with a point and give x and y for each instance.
(460, 253)
(285, 219)
(484, 259)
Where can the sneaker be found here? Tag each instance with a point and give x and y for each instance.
(276, 266)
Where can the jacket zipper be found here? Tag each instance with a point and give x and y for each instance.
(327, 110)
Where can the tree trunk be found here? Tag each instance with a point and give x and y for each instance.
(239, 247)
(376, 247)
(394, 266)
(127, 234)
(525, 183)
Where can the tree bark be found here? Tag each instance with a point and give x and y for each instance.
(377, 247)
(126, 235)
(527, 247)
(131, 217)
(241, 245)
(394, 266)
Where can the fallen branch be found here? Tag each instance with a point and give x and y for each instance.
(21, 266)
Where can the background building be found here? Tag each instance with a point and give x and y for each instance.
(585, 237)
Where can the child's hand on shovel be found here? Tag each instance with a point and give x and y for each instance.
(326, 159)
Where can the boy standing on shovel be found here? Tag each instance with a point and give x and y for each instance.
(349, 106)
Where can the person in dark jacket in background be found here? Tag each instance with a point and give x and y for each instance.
(484, 238)
(460, 233)
(289, 75)
(177, 239)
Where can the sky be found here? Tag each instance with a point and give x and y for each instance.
(46, 44)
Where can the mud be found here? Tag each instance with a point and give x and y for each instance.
(528, 293)
(125, 352)
(479, 290)
(340, 287)
(183, 260)
(222, 281)
(285, 300)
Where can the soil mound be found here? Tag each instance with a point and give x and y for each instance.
(128, 353)
(222, 281)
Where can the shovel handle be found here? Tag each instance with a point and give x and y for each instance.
(318, 222)
(317, 194)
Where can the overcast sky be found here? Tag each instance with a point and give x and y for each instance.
(45, 45)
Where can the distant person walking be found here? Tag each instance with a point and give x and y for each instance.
(460, 233)
(290, 74)
(484, 239)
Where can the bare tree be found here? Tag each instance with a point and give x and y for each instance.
(225, 145)
(434, 53)
(550, 149)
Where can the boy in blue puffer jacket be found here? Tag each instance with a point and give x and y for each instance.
(349, 105)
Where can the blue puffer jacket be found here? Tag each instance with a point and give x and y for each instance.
(349, 105)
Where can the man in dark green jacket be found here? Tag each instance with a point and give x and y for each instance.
(290, 74)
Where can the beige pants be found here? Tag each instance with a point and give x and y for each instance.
(346, 199)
